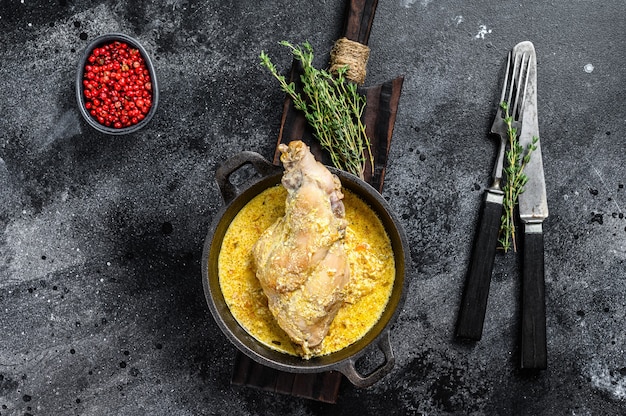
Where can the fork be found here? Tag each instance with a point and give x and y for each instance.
(474, 303)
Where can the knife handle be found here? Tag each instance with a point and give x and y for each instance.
(474, 303)
(534, 349)
(359, 19)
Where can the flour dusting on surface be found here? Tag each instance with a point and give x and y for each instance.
(409, 3)
(607, 380)
(482, 32)
(4, 172)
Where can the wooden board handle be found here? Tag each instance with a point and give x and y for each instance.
(359, 19)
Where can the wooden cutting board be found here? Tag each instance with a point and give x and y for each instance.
(379, 118)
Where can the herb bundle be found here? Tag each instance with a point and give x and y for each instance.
(516, 160)
(332, 106)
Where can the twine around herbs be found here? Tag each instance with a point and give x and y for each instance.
(352, 54)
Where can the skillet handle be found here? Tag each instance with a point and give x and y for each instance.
(359, 380)
(222, 174)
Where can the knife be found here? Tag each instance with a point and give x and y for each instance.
(533, 210)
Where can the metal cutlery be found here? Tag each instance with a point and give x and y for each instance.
(474, 303)
(533, 210)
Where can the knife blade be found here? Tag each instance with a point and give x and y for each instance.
(533, 210)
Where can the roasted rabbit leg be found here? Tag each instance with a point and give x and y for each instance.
(300, 260)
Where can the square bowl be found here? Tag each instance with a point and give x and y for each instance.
(105, 90)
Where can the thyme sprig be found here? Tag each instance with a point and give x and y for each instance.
(515, 179)
(332, 106)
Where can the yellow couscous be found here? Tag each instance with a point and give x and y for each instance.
(372, 273)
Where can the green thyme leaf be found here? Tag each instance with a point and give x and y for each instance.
(332, 106)
(516, 160)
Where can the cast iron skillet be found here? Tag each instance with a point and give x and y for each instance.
(344, 360)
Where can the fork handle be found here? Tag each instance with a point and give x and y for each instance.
(474, 303)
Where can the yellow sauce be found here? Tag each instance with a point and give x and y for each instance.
(372, 273)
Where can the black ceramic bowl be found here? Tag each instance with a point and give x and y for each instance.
(80, 96)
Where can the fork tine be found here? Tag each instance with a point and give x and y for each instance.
(513, 85)
(506, 79)
(521, 82)
(525, 86)
(518, 79)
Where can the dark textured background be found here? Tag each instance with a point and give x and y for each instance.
(101, 304)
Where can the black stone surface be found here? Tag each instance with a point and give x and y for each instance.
(101, 304)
